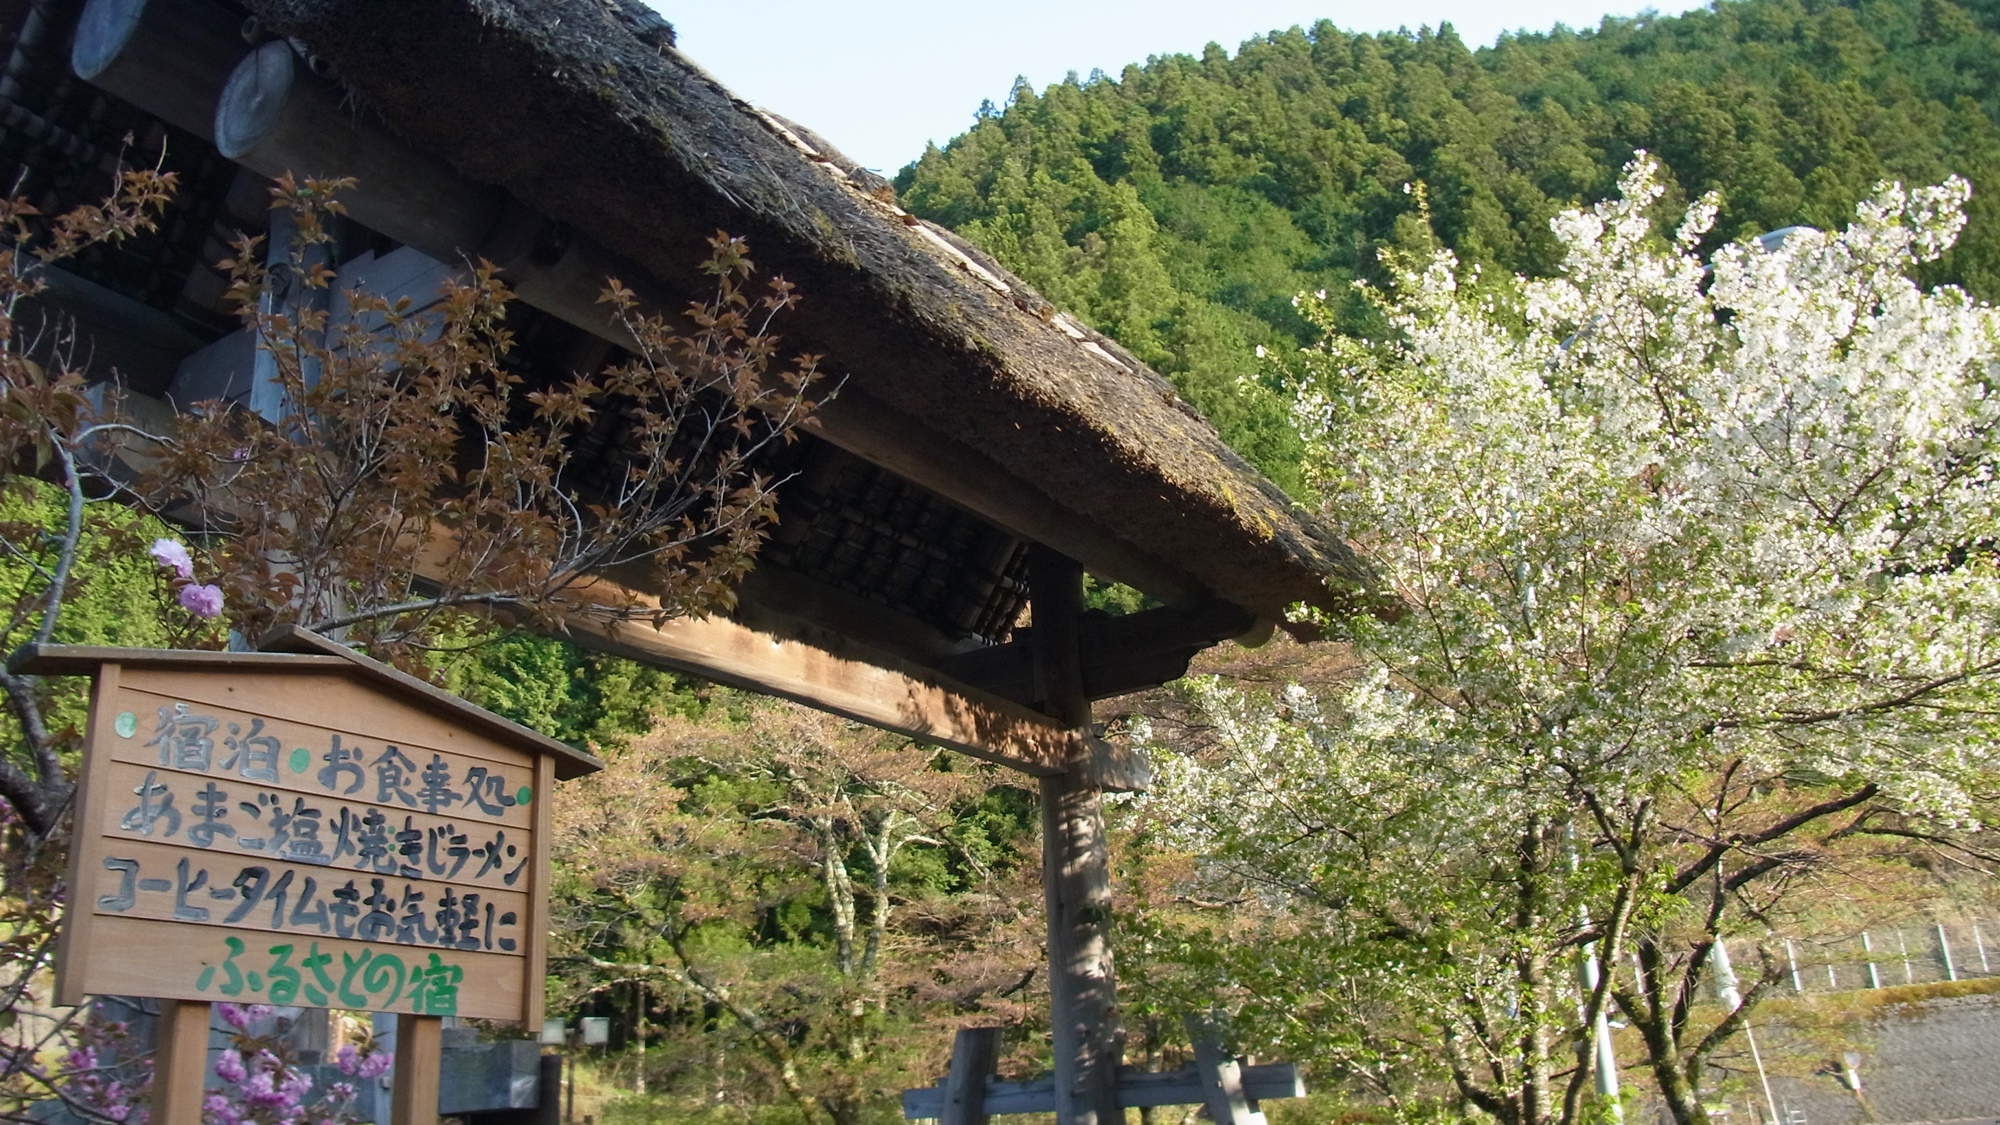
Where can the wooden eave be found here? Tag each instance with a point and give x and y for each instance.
(549, 135)
(959, 376)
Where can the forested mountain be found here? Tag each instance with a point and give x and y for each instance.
(1182, 204)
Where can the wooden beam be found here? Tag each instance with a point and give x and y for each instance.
(168, 57)
(1119, 654)
(1136, 1090)
(1076, 867)
(113, 332)
(864, 686)
(771, 598)
(274, 118)
(883, 435)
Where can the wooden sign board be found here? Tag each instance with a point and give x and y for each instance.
(313, 829)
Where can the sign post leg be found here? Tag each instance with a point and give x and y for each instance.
(419, 1050)
(180, 1062)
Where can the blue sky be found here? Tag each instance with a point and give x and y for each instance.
(879, 78)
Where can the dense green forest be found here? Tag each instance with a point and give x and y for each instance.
(1183, 203)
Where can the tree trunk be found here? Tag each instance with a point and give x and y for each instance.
(839, 893)
(1532, 863)
(1651, 1010)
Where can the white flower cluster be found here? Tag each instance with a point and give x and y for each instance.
(1653, 512)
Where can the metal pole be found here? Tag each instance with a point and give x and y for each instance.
(1607, 1069)
(1725, 991)
(1944, 951)
(1770, 1103)
(1607, 1058)
(1868, 948)
(1904, 945)
(1980, 941)
(1792, 962)
(639, 1031)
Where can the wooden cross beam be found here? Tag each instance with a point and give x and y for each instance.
(1136, 1090)
(1230, 1091)
(880, 691)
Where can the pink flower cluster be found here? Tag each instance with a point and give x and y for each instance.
(374, 1064)
(241, 1016)
(259, 1082)
(88, 1081)
(202, 600)
(99, 1088)
(263, 1087)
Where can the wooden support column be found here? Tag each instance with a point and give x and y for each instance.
(973, 1055)
(413, 1095)
(180, 1062)
(1076, 868)
(1222, 1086)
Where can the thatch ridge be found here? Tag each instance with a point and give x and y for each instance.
(636, 146)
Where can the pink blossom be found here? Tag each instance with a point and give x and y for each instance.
(375, 1065)
(229, 1065)
(173, 555)
(219, 1109)
(202, 601)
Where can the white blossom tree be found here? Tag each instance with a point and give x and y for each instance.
(1688, 577)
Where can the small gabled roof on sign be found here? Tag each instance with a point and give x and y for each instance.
(291, 648)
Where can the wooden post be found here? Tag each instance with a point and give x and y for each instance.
(535, 965)
(1076, 868)
(180, 1062)
(973, 1055)
(1221, 1077)
(413, 1099)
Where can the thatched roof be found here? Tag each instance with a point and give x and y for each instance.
(615, 133)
